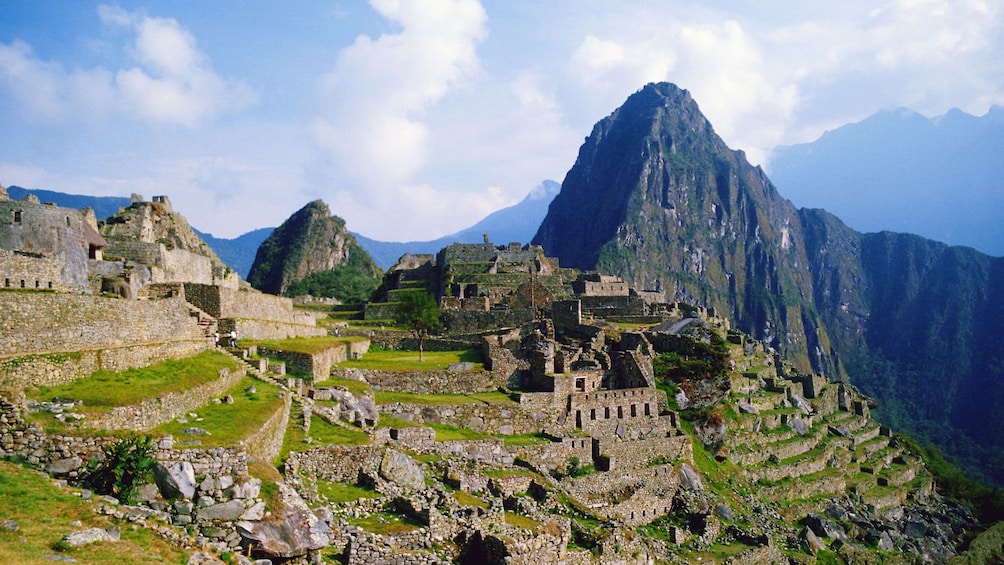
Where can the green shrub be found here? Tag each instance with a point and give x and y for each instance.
(126, 465)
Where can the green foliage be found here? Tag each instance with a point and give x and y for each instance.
(126, 465)
(986, 502)
(698, 360)
(349, 284)
(418, 312)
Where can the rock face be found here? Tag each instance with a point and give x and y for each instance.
(402, 470)
(657, 198)
(310, 241)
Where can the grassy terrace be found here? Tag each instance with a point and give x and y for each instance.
(379, 359)
(104, 390)
(228, 424)
(45, 513)
(308, 345)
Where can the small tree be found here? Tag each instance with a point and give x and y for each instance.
(125, 466)
(418, 312)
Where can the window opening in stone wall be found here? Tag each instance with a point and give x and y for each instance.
(17, 216)
(592, 413)
(22, 283)
(67, 221)
(606, 412)
(50, 285)
(580, 384)
(578, 418)
(620, 412)
(36, 284)
(6, 282)
(648, 412)
(634, 411)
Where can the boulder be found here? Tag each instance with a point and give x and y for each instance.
(799, 426)
(230, 510)
(402, 470)
(885, 542)
(356, 409)
(64, 466)
(824, 527)
(811, 542)
(747, 408)
(689, 478)
(89, 536)
(175, 479)
(290, 532)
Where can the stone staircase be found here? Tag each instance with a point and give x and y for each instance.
(207, 322)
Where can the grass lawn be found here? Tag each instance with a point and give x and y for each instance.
(338, 493)
(104, 390)
(379, 359)
(321, 433)
(451, 433)
(44, 514)
(388, 421)
(384, 523)
(228, 424)
(309, 345)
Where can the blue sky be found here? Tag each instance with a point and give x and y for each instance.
(413, 119)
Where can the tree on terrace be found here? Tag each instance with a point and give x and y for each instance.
(418, 312)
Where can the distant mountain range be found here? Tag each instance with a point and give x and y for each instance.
(942, 178)
(515, 223)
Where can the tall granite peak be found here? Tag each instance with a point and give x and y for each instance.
(657, 198)
(310, 241)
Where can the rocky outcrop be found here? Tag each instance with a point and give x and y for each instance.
(291, 531)
(310, 241)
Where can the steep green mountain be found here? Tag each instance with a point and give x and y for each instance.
(310, 242)
(656, 197)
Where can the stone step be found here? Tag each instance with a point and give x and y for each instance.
(866, 434)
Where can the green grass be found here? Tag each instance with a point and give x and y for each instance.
(389, 421)
(378, 359)
(323, 433)
(468, 499)
(339, 493)
(308, 345)
(521, 440)
(44, 514)
(104, 390)
(228, 424)
(519, 521)
(451, 433)
(384, 523)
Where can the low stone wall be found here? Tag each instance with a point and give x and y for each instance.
(425, 382)
(492, 419)
(153, 412)
(318, 366)
(49, 369)
(639, 453)
(268, 329)
(31, 271)
(265, 443)
(340, 463)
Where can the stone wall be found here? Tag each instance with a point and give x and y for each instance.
(32, 271)
(29, 226)
(493, 419)
(339, 463)
(318, 366)
(44, 323)
(153, 412)
(265, 443)
(471, 321)
(432, 382)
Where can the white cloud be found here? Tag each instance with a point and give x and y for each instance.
(373, 107)
(173, 82)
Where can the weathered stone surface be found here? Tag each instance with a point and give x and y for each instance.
(64, 466)
(799, 426)
(402, 470)
(747, 408)
(825, 527)
(230, 510)
(89, 536)
(291, 532)
(811, 542)
(689, 478)
(885, 542)
(175, 479)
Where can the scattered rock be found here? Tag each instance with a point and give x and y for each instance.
(689, 478)
(291, 532)
(812, 543)
(9, 526)
(230, 510)
(747, 408)
(799, 426)
(89, 536)
(195, 432)
(65, 466)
